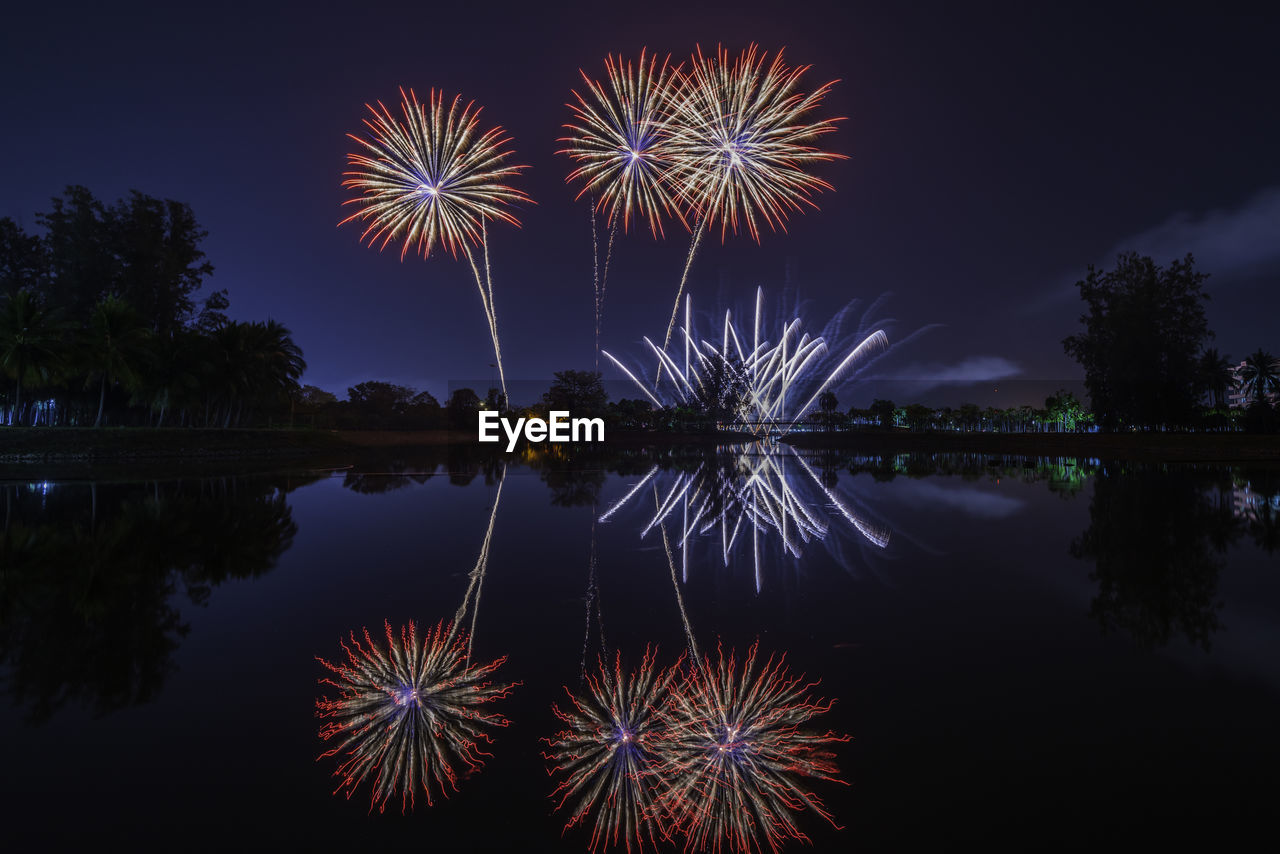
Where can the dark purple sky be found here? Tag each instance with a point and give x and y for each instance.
(995, 152)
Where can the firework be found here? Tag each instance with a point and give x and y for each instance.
(409, 713)
(741, 139)
(752, 383)
(737, 757)
(434, 179)
(603, 756)
(619, 145)
(618, 140)
(751, 498)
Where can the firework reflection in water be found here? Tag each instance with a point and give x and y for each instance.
(409, 714)
(736, 757)
(604, 757)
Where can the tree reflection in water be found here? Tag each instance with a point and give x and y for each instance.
(89, 575)
(1158, 536)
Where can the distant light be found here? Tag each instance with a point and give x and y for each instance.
(427, 189)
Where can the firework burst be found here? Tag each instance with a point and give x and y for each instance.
(604, 758)
(741, 139)
(618, 142)
(408, 713)
(736, 756)
(434, 179)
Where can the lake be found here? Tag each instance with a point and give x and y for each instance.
(1010, 651)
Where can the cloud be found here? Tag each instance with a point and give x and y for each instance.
(974, 369)
(1229, 244)
(1225, 243)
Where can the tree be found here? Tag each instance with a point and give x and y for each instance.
(159, 263)
(115, 346)
(1216, 376)
(723, 388)
(23, 264)
(827, 404)
(580, 393)
(461, 409)
(379, 402)
(1145, 328)
(31, 344)
(883, 410)
(919, 416)
(143, 249)
(1066, 411)
(1260, 375)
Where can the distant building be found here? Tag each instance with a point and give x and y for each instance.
(1237, 397)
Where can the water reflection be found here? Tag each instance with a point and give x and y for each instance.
(408, 715)
(604, 759)
(1158, 537)
(754, 496)
(90, 575)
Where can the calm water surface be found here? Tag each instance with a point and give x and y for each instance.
(1025, 653)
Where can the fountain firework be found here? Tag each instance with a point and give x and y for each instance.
(751, 381)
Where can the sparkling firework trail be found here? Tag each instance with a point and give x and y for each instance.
(771, 374)
(741, 140)
(603, 758)
(759, 493)
(433, 178)
(408, 714)
(737, 757)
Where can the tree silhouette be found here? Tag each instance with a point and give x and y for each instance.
(1145, 328)
(32, 346)
(114, 347)
(1260, 375)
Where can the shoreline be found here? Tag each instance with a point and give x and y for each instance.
(24, 448)
(1152, 447)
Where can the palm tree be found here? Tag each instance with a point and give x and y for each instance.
(1260, 375)
(1217, 375)
(31, 343)
(115, 346)
(255, 361)
(172, 374)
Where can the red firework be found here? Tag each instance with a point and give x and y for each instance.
(408, 714)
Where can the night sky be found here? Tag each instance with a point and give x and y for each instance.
(994, 153)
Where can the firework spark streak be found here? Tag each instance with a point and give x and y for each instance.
(603, 756)
(434, 179)
(771, 373)
(408, 713)
(760, 493)
(618, 142)
(737, 756)
(741, 139)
